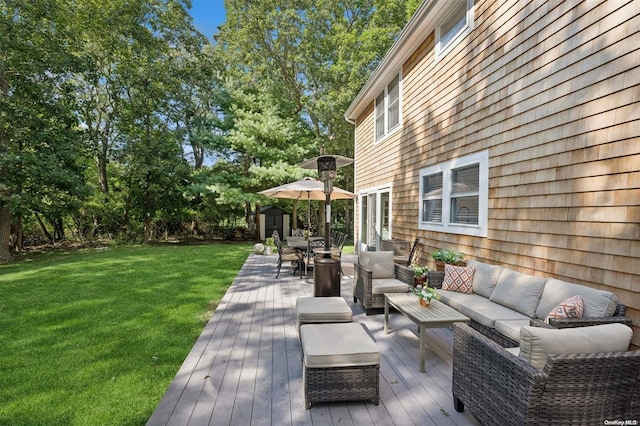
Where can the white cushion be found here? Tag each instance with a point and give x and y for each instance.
(380, 263)
(388, 285)
(537, 343)
(479, 308)
(485, 278)
(511, 328)
(337, 345)
(323, 309)
(518, 291)
(597, 303)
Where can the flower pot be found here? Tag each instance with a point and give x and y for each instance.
(439, 265)
(424, 302)
(419, 280)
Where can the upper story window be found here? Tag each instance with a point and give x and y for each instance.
(454, 196)
(454, 26)
(387, 111)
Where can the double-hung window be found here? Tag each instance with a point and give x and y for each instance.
(454, 196)
(387, 111)
(457, 23)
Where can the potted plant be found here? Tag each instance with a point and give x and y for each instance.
(442, 256)
(270, 243)
(420, 274)
(425, 294)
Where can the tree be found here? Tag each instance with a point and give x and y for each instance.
(310, 57)
(40, 143)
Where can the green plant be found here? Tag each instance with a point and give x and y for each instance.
(420, 271)
(424, 292)
(270, 242)
(448, 256)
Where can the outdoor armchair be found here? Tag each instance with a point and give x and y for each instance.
(500, 387)
(376, 273)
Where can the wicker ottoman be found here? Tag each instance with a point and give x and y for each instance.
(340, 363)
(322, 310)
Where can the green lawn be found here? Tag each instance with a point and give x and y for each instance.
(94, 337)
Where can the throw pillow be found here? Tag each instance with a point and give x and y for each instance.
(458, 278)
(572, 307)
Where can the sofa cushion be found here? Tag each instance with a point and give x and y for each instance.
(388, 285)
(536, 343)
(571, 307)
(597, 303)
(511, 328)
(479, 308)
(458, 278)
(485, 277)
(337, 345)
(519, 291)
(380, 263)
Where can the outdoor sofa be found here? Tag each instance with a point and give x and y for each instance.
(502, 301)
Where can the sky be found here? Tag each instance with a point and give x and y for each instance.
(207, 15)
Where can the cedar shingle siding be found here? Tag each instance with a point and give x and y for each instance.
(552, 91)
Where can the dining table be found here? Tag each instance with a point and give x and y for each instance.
(301, 245)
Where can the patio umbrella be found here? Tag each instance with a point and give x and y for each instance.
(306, 189)
(309, 189)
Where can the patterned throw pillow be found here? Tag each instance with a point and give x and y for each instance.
(458, 278)
(572, 307)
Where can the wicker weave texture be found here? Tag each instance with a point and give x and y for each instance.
(341, 384)
(581, 389)
(362, 285)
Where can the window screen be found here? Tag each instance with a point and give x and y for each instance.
(465, 194)
(432, 198)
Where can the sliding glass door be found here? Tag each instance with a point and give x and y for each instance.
(375, 217)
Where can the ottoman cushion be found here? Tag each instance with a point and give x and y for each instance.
(323, 309)
(337, 345)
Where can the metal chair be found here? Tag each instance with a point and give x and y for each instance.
(286, 254)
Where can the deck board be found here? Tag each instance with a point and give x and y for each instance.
(246, 366)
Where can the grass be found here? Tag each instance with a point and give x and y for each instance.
(96, 336)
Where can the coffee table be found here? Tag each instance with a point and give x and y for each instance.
(436, 315)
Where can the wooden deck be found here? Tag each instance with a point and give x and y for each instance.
(245, 369)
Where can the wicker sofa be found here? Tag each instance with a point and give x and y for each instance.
(503, 301)
(591, 379)
(376, 273)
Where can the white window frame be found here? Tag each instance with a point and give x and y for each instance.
(442, 50)
(446, 168)
(385, 105)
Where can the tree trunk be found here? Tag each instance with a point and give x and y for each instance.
(5, 233)
(5, 213)
(294, 215)
(44, 229)
(102, 160)
(18, 231)
(147, 229)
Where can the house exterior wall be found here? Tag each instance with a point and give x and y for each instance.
(552, 91)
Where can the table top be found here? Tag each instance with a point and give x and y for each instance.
(300, 242)
(436, 313)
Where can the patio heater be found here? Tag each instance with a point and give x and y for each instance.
(326, 269)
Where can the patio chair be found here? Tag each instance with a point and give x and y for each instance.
(579, 376)
(376, 273)
(286, 254)
(308, 257)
